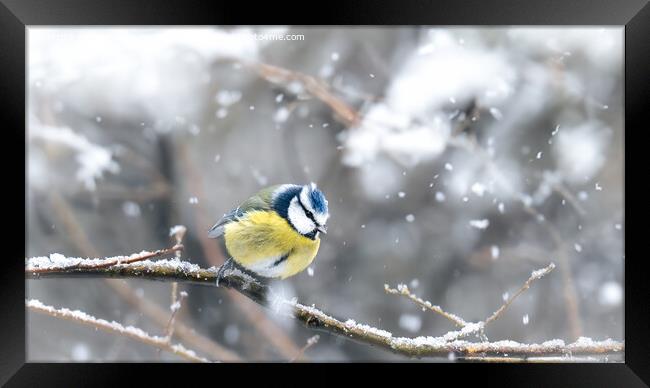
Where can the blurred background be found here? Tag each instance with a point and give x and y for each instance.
(455, 160)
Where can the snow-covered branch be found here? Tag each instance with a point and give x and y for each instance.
(135, 333)
(176, 270)
(57, 262)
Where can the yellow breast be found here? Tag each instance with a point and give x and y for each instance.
(265, 243)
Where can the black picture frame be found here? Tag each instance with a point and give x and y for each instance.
(17, 15)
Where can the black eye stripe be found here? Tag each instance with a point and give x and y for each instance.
(309, 214)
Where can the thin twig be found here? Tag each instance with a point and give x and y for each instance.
(175, 307)
(467, 327)
(311, 341)
(402, 289)
(115, 328)
(536, 275)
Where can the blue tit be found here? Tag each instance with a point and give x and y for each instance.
(275, 233)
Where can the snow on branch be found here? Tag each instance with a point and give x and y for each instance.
(442, 346)
(402, 289)
(57, 262)
(468, 327)
(135, 333)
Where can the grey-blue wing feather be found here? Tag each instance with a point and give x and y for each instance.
(218, 228)
(260, 201)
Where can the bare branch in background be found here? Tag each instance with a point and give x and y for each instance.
(314, 86)
(181, 271)
(115, 328)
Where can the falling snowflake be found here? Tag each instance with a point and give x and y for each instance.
(480, 224)
(494, 250)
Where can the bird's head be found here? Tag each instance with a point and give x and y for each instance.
(307, 211)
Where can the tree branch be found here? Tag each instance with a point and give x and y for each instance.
(109, 262)
(115, 328)
(185, 272)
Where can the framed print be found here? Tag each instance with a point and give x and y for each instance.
(423, 187)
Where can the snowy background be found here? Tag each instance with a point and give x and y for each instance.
(471, 148)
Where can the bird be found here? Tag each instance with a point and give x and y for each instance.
(276, 232)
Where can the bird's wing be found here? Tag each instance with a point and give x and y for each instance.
(259, 201)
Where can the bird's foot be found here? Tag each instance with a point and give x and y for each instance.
(226, 266)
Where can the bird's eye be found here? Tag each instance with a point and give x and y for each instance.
(310, 215)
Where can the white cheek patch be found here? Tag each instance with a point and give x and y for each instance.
(321, 218)
(299, 219)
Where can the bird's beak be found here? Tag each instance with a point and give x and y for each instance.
(322, 229)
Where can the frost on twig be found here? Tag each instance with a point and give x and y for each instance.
(312, 317)
(115, 328)
(468, 327)
(402, 289)
(57, 262)
(535, 275)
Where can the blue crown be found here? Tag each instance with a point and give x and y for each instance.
(318, 201)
